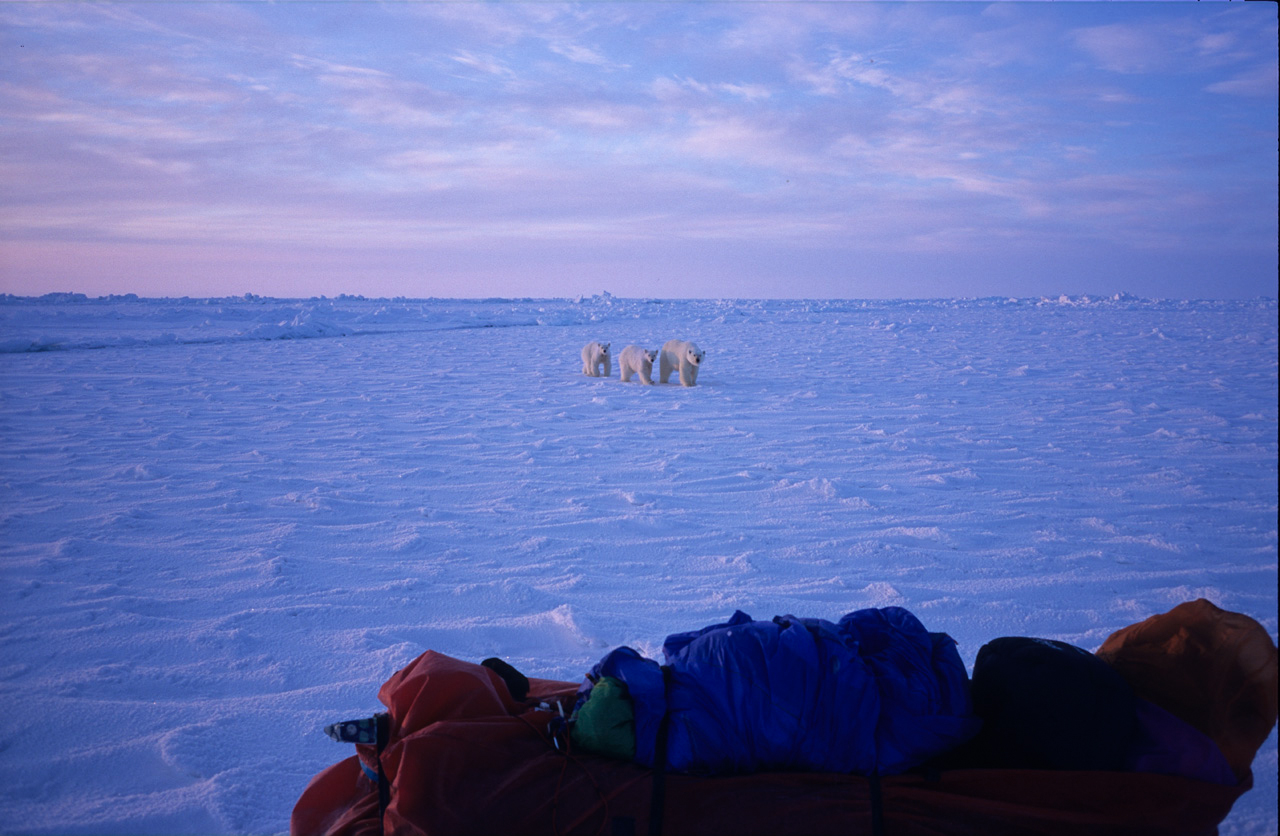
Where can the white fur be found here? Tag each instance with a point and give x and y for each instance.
(595, 355)
(636, 360)
(683, 356)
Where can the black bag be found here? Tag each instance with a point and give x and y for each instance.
(1049, 705)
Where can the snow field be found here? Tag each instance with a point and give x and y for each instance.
(223, 523)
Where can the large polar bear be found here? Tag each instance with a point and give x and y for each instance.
(636, 360)
(595, 355)
(682, 355)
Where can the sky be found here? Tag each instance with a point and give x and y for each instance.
(653, 149)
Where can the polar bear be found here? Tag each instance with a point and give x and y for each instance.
(595, 355)
(685, 356)
(636, 360)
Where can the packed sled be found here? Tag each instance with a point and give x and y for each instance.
(869, 725)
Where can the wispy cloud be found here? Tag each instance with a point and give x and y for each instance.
(670, 89)
(484, 63)
(1258, 82)
(581, 54)
(1124, 48)
(815, 129)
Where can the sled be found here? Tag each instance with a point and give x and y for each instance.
(461, 755)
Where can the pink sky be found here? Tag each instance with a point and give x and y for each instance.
(666, 150)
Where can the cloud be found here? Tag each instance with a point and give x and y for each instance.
(484, 63)
(379, 96)
(1258, 82)
(1215, 43)
(775, 30)
(607, 117)
(70, 120)
(1177, 45)
(939, 170)
(881, 127)
(729, 137)
(580, 54)
(668, 88)
(1122, 47)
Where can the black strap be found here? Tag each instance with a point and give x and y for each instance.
(658, 786)
(368, 731)
(384, 788)
(517, 683)
(877, 804)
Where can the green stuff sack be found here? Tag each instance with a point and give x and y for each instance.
(606, 722)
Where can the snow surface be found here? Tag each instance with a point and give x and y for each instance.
(224, 522)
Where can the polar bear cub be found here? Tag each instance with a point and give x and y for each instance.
(595, 355)
(683, 356)
(636, 360)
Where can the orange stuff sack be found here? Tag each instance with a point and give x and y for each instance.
(1213, 668)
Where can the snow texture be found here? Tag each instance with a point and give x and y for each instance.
(224, 522)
